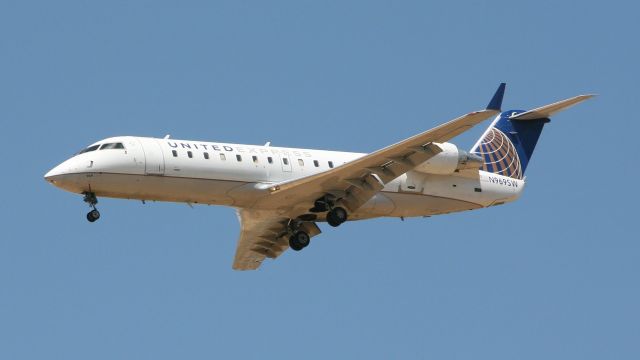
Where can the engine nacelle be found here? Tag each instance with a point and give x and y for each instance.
(449, 160)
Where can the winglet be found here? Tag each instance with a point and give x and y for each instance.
(496, 100)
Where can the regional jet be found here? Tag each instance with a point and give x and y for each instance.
(281, 194)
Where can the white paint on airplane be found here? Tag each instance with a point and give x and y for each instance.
(282, 193)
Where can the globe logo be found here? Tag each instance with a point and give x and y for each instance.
(500, 156)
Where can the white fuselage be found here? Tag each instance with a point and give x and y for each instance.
(227, 174)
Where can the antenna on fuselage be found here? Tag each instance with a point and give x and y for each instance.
(268, 144)
(167, 136)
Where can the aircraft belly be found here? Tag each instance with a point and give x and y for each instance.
(408, 205)
(379, 205)
(242, 194)
(156, 188)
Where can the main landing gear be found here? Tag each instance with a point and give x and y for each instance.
(298, 234)
(299, 240)
(336, 216)
(91, 199)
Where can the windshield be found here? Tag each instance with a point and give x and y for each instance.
(90, 148)
(112, 146)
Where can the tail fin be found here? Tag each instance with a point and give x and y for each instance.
(507, 145)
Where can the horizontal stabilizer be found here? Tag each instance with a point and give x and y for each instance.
(546, 111)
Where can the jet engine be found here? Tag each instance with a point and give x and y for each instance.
(449, 160)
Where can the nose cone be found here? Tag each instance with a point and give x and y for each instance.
(52, 174)
(63, 177)
(62, 174)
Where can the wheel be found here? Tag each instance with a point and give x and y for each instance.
(336, 216)
(293, 243)
(299, 240)
(93, 215)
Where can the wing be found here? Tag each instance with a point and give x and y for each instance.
(264, 232)
(263, 235)
(355, 182)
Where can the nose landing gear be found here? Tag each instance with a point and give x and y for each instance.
(91, 199)
(93, 215)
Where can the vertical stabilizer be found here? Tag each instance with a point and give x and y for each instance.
(508, 144)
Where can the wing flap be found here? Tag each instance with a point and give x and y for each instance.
(260, 237)
(263, 235)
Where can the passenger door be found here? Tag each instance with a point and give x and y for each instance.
(154, 158)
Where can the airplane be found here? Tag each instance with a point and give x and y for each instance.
(281, 194)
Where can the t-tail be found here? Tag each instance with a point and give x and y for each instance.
(507, 145)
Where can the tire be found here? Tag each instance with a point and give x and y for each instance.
(337, 216)
(294, 245)
(303, 238)
(331, 219)
(340, 214)
(93, 215)
(299, 241)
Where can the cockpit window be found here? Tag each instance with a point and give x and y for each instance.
(90, 148)
(112, 146)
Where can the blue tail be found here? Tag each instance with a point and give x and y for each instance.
(508, 144)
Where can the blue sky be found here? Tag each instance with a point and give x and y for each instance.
(554, 275)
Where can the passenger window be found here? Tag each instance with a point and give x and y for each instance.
(285, 161)
(206, 155)
(222, 157)
(270, 160)
(189, 154)
(300, 162)
(255, 159)
(316, 163)
(331, 164)
(239, 157)
(175, 153)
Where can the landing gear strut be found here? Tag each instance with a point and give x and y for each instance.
(91, 199)
(336, 216)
